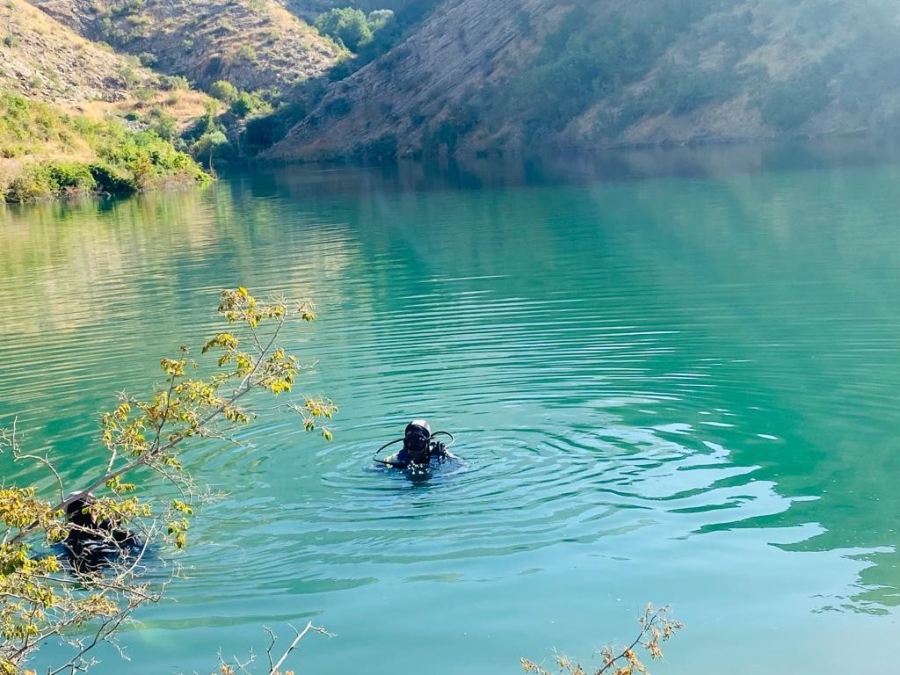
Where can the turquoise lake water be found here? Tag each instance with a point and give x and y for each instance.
(673, 378)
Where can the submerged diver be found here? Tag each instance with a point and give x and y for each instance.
(420, 448)
(92, 545)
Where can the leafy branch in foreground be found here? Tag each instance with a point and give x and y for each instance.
(43, 598)
(656, 627)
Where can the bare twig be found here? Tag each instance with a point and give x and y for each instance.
(655, 627)
(299, 636)
(46, 462)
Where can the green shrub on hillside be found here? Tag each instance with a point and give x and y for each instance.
(147, 59)
(211, 145)
(163, 124)
(247, 54)
(111, 180)
(224, 91)
(378, 19)
(49, 179)
(245, 104)
(346, 24)
(174, 83)
(368, 35)
(123, 160)
(31, 122)
(263, 132)
(146, 158)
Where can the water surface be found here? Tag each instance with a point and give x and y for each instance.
(672, 379)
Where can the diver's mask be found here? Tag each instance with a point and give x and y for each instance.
(417, 441)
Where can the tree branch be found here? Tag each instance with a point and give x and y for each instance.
(309, 627)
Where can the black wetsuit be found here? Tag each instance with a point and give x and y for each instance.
(92, 546)
(406, 459)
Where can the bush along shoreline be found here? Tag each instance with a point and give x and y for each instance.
(59, 179)
(57, 155)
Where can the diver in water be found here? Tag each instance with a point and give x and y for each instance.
(92, 545)
(420, 449)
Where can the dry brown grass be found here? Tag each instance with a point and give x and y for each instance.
(9, 169)
(43, 60)
(184, 106)
(256, 45)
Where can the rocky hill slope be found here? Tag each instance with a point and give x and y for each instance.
(60, 97)
(483, 76)
(43, 60)
(257, 45)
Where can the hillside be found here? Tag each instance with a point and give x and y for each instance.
(484, 76)
(60, 97)
(43, 60)
(257, 45)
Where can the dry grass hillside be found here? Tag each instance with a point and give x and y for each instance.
(45, 61)
(57, 90)
(41, 59)
(257, 45)
(482, 76)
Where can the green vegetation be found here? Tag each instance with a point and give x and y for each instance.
(247, 103)
(48, 179)
(23, 122)
(147, 59)
(369, 35)
(162, 124)
(240, 103)
(211, 137)
(265, 130)
(351, 27)
(224, 91)
(174, 83)
(247, 53)
(104, 156)
(211, 144)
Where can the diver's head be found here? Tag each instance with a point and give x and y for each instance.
(75, 510)
(417, 441)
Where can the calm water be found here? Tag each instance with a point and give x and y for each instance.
(673, 379)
